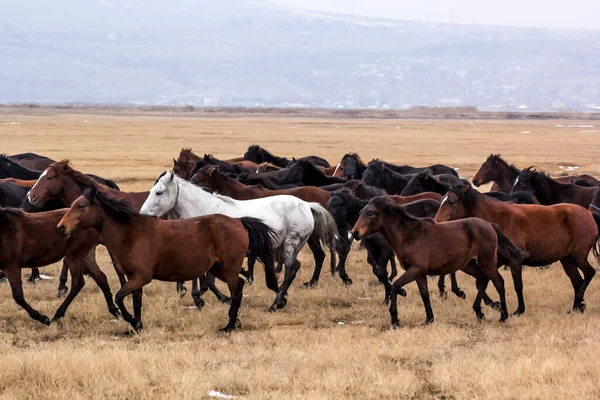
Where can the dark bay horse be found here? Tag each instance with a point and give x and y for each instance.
(436, 169)
(186, 161)
(11, 169)
(562, 232)
(31, 241)
(147, 248)
(495, 169)
(549, 191)
(378, 175)
(425, 182)
(352, 167)
(425, 247)
(259, 155)
(32, 161)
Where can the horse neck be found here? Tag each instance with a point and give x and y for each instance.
(71, 190)
(549, 193)
(505, 177)
(116, 236)
(395, 233)
(485, 208)
(193, 201)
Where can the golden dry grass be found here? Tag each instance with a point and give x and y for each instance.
(302, 351)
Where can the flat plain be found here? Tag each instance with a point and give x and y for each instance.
(331, 342)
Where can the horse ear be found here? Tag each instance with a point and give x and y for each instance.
(211, 171)
(175, 163)
(294, 159)
(466, 188)
(172, 176)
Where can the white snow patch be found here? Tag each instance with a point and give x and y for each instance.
(525, 132)
(219, 395)
(569, 167)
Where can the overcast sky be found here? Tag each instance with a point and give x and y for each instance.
(534, 13)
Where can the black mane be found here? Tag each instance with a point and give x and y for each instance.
(387, 206)
(498, 158)
(120, 210)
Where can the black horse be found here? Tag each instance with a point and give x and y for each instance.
(378, 175)
(425, 182)
(352, 166)
(436, 169)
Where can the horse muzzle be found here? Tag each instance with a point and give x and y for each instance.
(62, 230)
(356, 235)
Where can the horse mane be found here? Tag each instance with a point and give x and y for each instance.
(120, 210)
(6, 212)
(542, 179)
(399, 213)
(78, 177)
(469, 197)
(498, 158)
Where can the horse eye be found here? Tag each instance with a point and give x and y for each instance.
(159, 193)
(81, 206)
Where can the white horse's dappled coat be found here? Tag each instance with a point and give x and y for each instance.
(291, 219)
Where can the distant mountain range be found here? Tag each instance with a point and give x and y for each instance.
(253, 53)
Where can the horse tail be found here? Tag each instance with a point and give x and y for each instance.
(596, 247)
(260, 246)
(325, 229)
(508, 253)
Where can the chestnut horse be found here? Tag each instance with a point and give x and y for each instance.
(549, 191)
(31, 241)
(425, 247)
(562, 232)
(147, 248)
(503, 174)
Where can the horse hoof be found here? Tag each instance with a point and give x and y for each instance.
(62, 292)
(33, 279)
(518, 313)
(116, 313)
(402, 292)
(460, 294)
(444, 295)
(227, 329)
(282, 303)
(182, 292)
(481, 317)
(496, 306)
(428, 322)
(309, 285)
(3, 279)
(272, 308)
(249, 281)
(226, 300)
(45, 320)
(396, 325)
(199, 303)
(348, 282)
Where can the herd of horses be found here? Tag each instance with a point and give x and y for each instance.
(203, 218)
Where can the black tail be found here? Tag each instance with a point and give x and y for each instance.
(260, 236)
(508, 253)
(596, 247)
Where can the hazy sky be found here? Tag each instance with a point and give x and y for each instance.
(535, 13)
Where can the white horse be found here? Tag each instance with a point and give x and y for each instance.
(292, 220)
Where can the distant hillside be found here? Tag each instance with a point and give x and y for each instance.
(248, 53)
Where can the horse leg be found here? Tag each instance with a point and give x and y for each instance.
(134, 283)
(279, 267)
(2, 276)
(62, 284)
(516, 272)
(35, 275)
(250, 273)
(588, 275)
(315, 246)
(210, 283)
(13, 274)
(78, 265)
(455, 289)
(120, 275)
(137, 308)
(410, 275)
(291, 268)
(576, 280)
(343, 253)
(442, 286)
(181, 289)
(424, 291)
(498, 282)
(236, 287)
(393, 268)
(197, 293)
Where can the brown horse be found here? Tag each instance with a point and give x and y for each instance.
(549, 191)
(210, 178)
(20, 182)
(425, 247)
(267, 167)
(31, 241)
(148, 248)
(503, 174)
(32, 161)
(187, 160)
(61, 181)
(562, 232)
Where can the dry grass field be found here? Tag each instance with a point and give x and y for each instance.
(330, 342)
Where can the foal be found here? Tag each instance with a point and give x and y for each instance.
(148, 248)
(424, 247)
